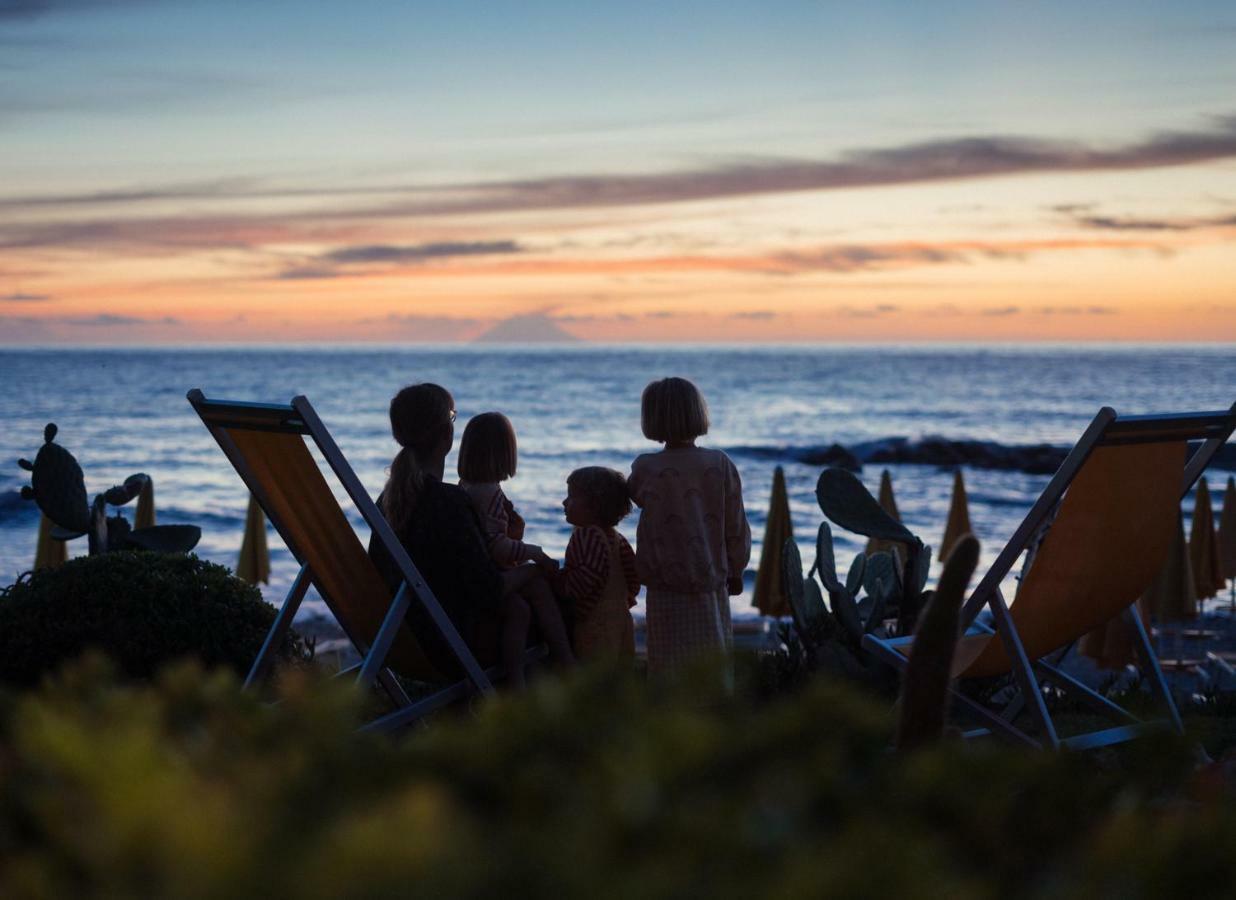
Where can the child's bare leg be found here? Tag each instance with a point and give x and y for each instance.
(545, 609)
(516, 619)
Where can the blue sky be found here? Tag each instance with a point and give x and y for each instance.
(264, 114)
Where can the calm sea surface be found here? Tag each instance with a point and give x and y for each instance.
(124, 411)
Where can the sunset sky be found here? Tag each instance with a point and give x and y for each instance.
(179, 172)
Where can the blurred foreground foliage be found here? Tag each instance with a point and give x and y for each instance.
(596, 786)
(142, 609)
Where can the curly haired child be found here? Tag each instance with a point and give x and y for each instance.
(598, 577)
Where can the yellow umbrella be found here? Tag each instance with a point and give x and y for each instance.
(1202, 544)
(958, 516)
(145, 516)
(1227, 536)
(1173, 595)
(769, 596)
(49, 552)
(889, 505)
(1111, 644)
(254, 563)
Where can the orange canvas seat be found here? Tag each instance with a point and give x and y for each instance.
(1096, 538)
(266, 444)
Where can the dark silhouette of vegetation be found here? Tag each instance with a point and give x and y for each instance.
(141, 609)
(591, 787)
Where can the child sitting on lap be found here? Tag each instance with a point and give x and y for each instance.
(488, 455)
(598, 578)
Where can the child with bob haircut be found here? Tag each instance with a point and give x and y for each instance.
(693, 540)
(598, 577)
(488, 455)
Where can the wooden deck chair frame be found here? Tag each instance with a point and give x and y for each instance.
(1107, 429)
(239, 428)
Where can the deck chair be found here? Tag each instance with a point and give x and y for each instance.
(266, 445)
(1096, 537)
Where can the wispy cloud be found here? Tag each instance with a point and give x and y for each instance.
(866, 312)
(113, 320)
(414, 253)
(19, 297)
(333, 263)
(1115, 223)
(949, 159)
(307, 273)
(1000, 311)
(32, 9)
(103, 326)
(423, 328)
(1076, 311)
(759, 315)
(855, 258)
(945, 159)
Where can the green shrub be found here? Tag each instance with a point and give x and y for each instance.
(140, 609)
(594, 787)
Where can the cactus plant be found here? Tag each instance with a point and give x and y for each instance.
(924, 693)
(58, 486)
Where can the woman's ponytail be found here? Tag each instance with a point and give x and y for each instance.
(421, 417)
(403, 486)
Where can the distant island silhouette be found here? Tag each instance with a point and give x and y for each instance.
(530, 329)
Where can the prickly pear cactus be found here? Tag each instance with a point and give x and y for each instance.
(924, 692)
(806, 604)
(57, 485)
(59, 488)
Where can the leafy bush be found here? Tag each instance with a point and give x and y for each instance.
(593, 787)
(141, 609)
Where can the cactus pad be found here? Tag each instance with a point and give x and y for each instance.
(846, 611)
(854, 579)
(880, 577)
(825, 560)
(924, 692)
(847, 502)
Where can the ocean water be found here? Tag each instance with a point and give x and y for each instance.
(124, 410)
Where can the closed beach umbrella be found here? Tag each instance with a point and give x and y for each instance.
(1173, 595)
(889, 504)
(254, 563)
(49, 552)
(1202, 544)
(145, 517)
(958, 516)
(769, 597)
(1227, 535)
(1111, 645)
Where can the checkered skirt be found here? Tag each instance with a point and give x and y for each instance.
(682, 627)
